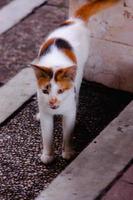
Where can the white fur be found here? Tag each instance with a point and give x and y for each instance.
(77, 35)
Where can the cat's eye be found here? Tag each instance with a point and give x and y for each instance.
(60, 91)
(45, 91)
(48, 87)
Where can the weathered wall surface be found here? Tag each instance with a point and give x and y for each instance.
(111, 52)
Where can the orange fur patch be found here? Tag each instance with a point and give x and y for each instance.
(62, 45)
(91, 8)
(45, 46)
(64, 85)
(67, 22)
(43, 75)
(70, 54)
(42, 83)
(64, 77)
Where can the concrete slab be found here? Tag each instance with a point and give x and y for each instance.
(123, 189)
(128, 176)
(15, 11)
(97, 166)
(110, 64)
(16, 92)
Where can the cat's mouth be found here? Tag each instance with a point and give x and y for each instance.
(54, 107)
(54, 103)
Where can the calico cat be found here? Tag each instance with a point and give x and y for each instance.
(59, 70)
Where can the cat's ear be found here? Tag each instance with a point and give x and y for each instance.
(42, 72)
(70, 73)
(66, 74)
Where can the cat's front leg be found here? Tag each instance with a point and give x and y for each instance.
(47, 136)
(68, 126)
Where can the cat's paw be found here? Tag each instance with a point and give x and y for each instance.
(47, 159)
(38, 117)
(68, 155)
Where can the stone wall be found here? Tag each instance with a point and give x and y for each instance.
(111, 52)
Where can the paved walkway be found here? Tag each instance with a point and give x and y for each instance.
(22, 175)
(122, 189)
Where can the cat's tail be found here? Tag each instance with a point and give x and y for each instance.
(85, 11)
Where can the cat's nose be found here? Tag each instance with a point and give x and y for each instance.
(53, 103)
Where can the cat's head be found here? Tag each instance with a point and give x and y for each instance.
(55, 85)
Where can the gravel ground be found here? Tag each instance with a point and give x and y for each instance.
(22, 174)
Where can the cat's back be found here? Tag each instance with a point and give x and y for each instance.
(73, 30)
